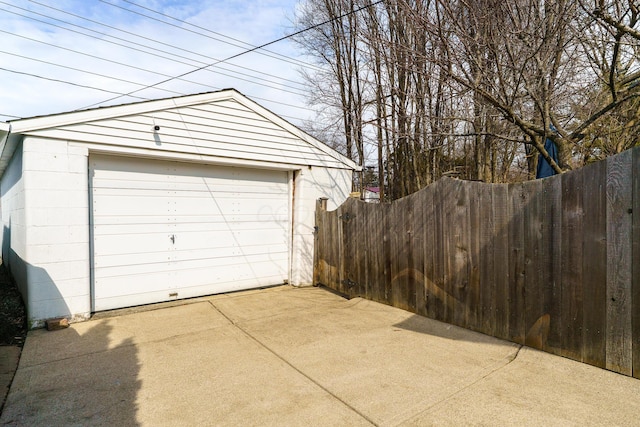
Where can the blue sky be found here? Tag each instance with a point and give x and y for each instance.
(119, 46)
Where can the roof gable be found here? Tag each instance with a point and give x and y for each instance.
(221, 124)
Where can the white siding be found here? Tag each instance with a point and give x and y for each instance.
(223, 129)
(12, 199)
(312, 184)
(46, 202)
(57, 256)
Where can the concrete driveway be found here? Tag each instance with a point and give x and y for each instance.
(290, 356)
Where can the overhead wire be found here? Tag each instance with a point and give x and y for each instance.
(136, 68)
(150, 53)
(103, 59)
(256, 48)
(65, 82)
(243, 45)
(178, 77)
(85, 71)
(115, 92)
(179, 48)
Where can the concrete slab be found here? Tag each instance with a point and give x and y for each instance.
(9, 357)
(386, 362)
(539, 389)
(289, 356)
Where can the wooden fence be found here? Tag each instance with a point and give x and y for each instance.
(553, 264)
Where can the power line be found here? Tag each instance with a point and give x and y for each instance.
(182, 49)
(179, 77)
(133, 96)
(100, 58)
(145, 70)
(248, 50)
(67, 82)
(235, 76)
(170, 77)
(84, 71)
(243, 46)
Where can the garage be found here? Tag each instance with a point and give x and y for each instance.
(167, 230)
(160, 200)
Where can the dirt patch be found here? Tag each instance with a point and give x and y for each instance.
(13, 319)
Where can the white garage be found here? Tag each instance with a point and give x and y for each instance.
(170, 229)
(160, 200)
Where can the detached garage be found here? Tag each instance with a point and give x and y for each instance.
(159, 200)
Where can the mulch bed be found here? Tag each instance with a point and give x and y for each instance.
(13, 319)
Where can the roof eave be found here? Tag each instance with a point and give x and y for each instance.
(72, 117)
(23, 126)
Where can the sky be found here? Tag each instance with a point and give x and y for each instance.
(64, 55)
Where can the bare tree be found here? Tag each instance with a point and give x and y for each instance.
(336, 46)
(474, 88)
(524, 60)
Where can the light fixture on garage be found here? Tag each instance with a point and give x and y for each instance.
(156, 136)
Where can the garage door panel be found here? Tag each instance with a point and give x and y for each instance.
(109, 228)
(111, 285)
(229, 239)
(263, 270)
(205, 275)
(152, 259)
(162, 228)
(133, 192)
(211, 225)
(243, 224)
(226, 206)
(232, 253)
(114, 186)
(131, 271)
(128, 168)
(130, 244)
(228, 286)
(267, 199)
(146, 296)
(132, 206)
(221, 186)
(237, 219)
(193, 172)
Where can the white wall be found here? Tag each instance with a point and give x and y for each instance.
(57, 235)
(12, 199)
(45, 211)
(312, 184)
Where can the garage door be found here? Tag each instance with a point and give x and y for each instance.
(168, 230)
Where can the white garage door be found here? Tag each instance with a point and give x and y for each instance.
(167, 230)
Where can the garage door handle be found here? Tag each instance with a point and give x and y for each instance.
(173, 238)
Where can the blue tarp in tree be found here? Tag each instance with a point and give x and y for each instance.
(544, 168)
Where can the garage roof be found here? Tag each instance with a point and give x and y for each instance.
(222, 124)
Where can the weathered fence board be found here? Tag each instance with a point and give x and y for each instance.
(635, 273)
(594, 264)
(500, 260)
(619, 200)
(418, 234)
(432, 293)
(553, 195)
(546, 256)
(571, 268)
(516, 262)
(553, 264)
(474, 305)
(439, 251)
(534, 289)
